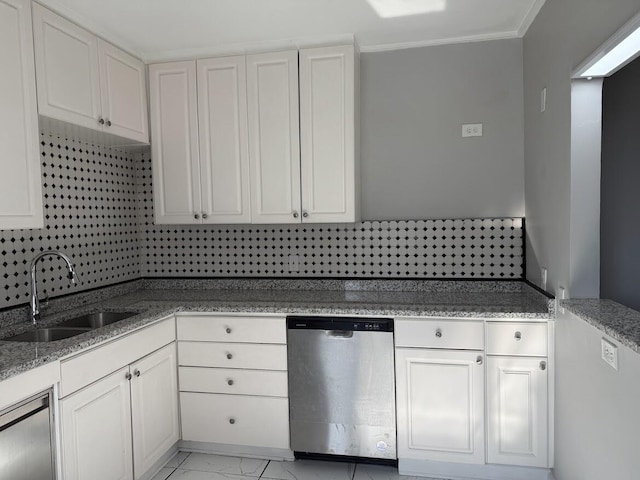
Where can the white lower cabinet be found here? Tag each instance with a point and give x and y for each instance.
(517, 411)
(233, 383)
(440, 403)
(96, 431)
(120, 426)
(235, 419)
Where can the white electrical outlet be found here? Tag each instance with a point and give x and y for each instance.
(294, 263)
(609, 353)
(543, 100)
(543, 278)
(472, 130)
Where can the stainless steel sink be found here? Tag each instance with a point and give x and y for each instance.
(47, 334)
(96, 320)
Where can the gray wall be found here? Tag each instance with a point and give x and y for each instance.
(620, 193)
(596, 408)
(563, 35)
(415, 163)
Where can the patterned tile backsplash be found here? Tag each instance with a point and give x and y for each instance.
(99, 210)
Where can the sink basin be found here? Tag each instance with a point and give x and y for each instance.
(96, 320)
(46, 334)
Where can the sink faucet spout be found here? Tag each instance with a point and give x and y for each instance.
(71, 275)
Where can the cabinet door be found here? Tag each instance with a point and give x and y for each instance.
(274, 143)
(67, 70)
(20, 182)
(174, 150)
(154, 407)
(327, 135)
(518, 413)
(123, 93)
(440, 401)
(96, 431)
(224, 149)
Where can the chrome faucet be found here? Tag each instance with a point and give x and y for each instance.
(72, 276)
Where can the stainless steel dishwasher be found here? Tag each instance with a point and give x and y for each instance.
(26, 451)
(341, 386)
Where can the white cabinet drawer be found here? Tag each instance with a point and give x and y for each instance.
(85, 368)
(233, 381)
(235, 419)
(232, 355)
(229, 328)
(516, 338)
(439, 333)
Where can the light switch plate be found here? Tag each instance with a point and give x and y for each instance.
(609, 353)
(472, 130)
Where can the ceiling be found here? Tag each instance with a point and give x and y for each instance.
(157, 30)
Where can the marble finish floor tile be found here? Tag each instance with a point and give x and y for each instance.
(379, 472)
(163, 474)
(249, 467)
(309, 470)
(180, 474)
(177, 459)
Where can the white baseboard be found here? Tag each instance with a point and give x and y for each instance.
(237, 450)
(462, 471)
(162, 461)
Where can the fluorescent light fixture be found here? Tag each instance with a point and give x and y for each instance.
(405, 8)
(621, 49)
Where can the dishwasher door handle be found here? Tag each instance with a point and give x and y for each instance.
(340, 333)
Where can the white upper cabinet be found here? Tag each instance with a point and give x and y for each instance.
(123, 93)
(224, 155)
(87, 82)
(174, 150)
(20, 182)
(328, 134)
(274, 143)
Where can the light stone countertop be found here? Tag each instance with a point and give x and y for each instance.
(157, 299)
(619, 322)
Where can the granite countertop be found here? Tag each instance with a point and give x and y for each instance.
(619, 322)
(157, 299)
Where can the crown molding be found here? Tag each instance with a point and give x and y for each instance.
(530, 17)
(443, 41)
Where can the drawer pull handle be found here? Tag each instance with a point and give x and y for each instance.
(232, 421)
(229, 356)
(136, 372)
(543, 365)
(228, 330)
(518, 336)
(128, 376)
(229, 382)
(479, 360)
(439, 333)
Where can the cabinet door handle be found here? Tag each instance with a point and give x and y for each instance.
(479, 360)
(229, 356)
(136, 372)
(543, 365)
(518, 336)
(295, 214)
(108, 122)
(228, 330)
(101, 120)
(439, 333)
(305, 214)
(196, 216)
(229, 382)
(205, 216)
(128, 376)
(232, 421)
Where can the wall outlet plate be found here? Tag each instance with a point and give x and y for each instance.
(543, 278)
(294, 263)
(609, 353)
(472, 130)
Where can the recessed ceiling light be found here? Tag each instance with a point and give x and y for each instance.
(622, 48)
(404, 8)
